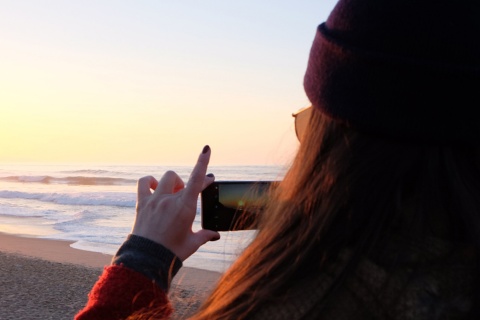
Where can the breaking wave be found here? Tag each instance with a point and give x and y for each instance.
(74, 180)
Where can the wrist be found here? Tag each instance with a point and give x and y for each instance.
(149, 258)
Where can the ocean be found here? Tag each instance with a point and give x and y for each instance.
(94, 206)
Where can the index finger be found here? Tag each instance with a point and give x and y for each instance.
(197, 177)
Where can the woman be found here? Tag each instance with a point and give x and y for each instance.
(379, 215)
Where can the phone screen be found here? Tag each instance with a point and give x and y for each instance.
(240, 196)
(233, 205)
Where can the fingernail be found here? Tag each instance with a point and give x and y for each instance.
(210, 175)
(216, 238)
(206, 149)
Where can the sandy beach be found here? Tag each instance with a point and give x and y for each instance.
(47, 279)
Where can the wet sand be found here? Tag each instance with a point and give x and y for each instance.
(47, 279)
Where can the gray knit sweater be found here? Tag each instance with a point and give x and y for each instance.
(431, 279)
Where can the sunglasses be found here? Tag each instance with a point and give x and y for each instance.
(302, 117)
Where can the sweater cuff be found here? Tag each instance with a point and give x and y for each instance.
(148, 258)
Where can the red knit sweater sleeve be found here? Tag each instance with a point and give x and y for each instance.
(121, 292)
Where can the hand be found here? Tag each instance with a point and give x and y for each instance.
(166, 215)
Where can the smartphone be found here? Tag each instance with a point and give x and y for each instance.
(233, 205)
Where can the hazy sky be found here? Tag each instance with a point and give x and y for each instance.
(153, 81)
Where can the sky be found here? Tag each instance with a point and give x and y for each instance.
(153, 81)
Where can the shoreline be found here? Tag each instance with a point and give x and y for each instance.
(48, 279)
(51, 250)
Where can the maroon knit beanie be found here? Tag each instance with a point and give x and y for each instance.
(406, 69)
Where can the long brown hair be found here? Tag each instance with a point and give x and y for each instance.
(347, 189)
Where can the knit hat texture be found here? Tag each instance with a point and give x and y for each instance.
(406, 69)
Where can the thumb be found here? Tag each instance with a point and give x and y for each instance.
(204, 235)
(195, 241)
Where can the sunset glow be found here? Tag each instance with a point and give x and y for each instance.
(153, 81)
